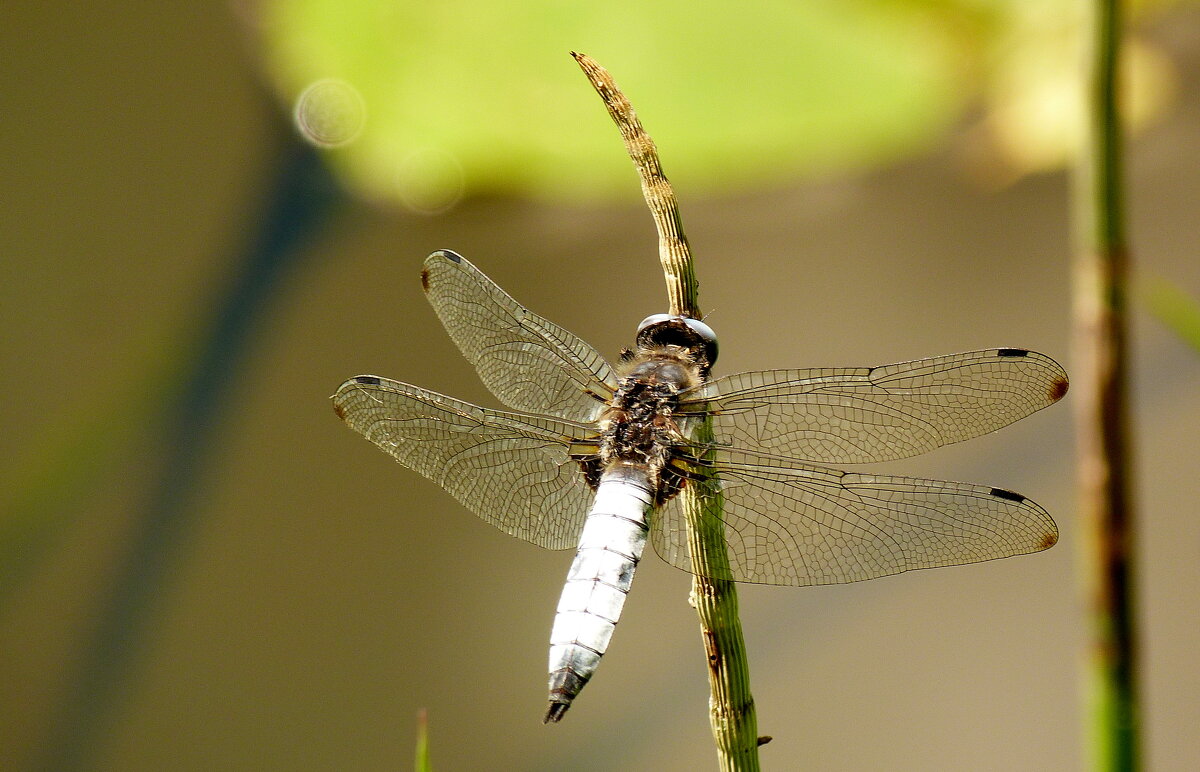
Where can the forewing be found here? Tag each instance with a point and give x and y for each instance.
(858, 415)
(795, 524)
(514, 471)
(528, 362)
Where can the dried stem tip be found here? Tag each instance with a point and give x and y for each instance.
(673, 249)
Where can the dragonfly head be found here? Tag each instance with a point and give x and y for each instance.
(691, 334)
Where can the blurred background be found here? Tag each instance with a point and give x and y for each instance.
(215, 212)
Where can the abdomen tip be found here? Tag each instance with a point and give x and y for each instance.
(555, 713)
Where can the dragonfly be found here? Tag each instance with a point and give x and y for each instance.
(594, 456)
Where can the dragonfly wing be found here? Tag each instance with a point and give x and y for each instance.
(787, 523)
(858, 415)
(514, 471)
(528, 362)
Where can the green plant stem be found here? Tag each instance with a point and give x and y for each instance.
(1101, 402)
(731, 707)
(732, 714)
(421, 760)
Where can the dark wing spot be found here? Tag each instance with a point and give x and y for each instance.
(1058, 389)
(1000, 493)
(1047, 541)
(425, 279)
(368, 380)
(341, 412)
(453, 257)
(1012, 352)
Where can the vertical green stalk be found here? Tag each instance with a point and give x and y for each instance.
(731, 707)
(732, 715)
(421, 760)
(1101, 402)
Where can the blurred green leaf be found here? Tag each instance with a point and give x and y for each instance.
(45, 488)
(1176, 309)
(433, 101)
(483, 97)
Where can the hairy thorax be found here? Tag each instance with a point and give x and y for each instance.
(641, 425)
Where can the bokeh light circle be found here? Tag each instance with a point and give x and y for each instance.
(430, 181)
(330, 113)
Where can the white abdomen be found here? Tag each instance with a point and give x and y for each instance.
(609, 550)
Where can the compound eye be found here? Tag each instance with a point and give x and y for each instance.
(705, 332)
(655, 319)
(680, 331)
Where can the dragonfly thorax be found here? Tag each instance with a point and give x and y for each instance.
(639, 427)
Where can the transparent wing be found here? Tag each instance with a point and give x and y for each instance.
(793, 524)
(514, 471)
(529, 363)
(858, 415)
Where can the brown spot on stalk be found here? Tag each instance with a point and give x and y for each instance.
(712, 649)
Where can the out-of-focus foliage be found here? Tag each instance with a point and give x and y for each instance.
(43, 487)
(473, 96)
(1032, 91)
(1174, 307)
(485, 96)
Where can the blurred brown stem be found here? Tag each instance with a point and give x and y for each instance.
(731, 707)
(1101, 402)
